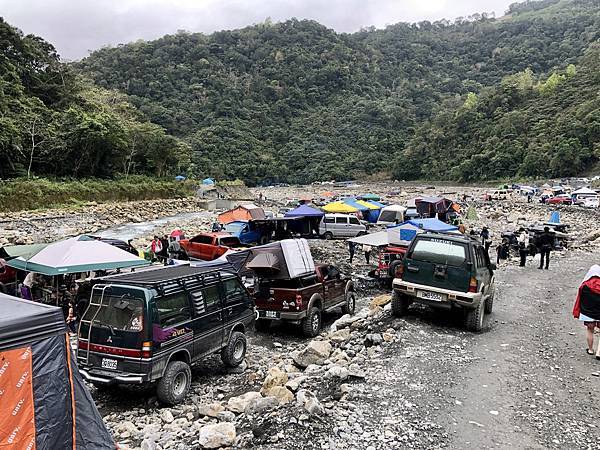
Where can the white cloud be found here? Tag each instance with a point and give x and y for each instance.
(77, 26)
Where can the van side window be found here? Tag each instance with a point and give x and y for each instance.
(212, 297)
(354, 221)
(329, 220)
(173, 309)
(343, 220)
(233, 290)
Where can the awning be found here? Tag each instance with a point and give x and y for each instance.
(379, 239)
(23, 251)
(304, 211)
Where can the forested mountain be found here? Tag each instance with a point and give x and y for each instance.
(478, 98)
(55, 123)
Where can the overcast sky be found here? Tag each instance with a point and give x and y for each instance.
(77, 26)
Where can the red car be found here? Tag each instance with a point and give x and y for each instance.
(562, 199)
(209, 246)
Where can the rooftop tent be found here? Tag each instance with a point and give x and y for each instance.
(391, 214)
(51, 406)
(208, 181)
(402, 234)
(339, 207)
(78, 254)
(370, 197)
(304, 211)
(245, 212)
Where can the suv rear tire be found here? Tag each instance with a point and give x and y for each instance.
(474, 317)
(393, 268)
(173, 387)
(400, 304)
(350, 306)
(311, 324)
(262, 325)
(234, 353)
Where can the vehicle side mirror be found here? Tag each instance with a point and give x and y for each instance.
(493, 266)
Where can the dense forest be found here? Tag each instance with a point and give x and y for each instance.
(473, 99)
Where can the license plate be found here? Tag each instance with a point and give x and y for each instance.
(271, 314)
(109, 363)
(432, 296)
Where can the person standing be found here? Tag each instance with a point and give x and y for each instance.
(587, 306)
(523, 241)
(164, 253)
(351, 250)
(367, 249)
(156, 248)
(174, 248)
(485, 238)
(545, 243)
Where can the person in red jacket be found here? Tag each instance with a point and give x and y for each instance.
(587, 306)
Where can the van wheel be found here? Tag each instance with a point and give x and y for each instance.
(173, 387)
(328, 236)
(489, 303)
(474, 317)
(235, 352)
(362, 233)
(262, 325)
(350, 306)
(400, 304)
(311, 324)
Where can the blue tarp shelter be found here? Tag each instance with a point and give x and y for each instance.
(208, 182)
(405, 232)
(180, 178)
(304, 211)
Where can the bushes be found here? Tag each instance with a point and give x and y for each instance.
(21, 194)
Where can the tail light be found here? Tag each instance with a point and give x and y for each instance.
(399, 270)
(147, 349)
(298, 301)
(473, 285)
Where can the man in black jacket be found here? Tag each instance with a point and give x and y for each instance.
(545, 242)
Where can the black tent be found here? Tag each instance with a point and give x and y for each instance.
(44, 401)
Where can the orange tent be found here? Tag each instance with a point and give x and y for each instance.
(242, 213)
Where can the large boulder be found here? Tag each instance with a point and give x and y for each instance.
(211, 409)
(262, 404)
(239, 404)
(281, 393)
(217, 435)
(275, 377)
(316, 352)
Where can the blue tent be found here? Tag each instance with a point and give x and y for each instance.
(374, 203)
(180, 178)
(304, 211)
(371, 215)
(208, 181)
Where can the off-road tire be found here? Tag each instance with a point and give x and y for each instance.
(234, 353)
(328, 236)
(400, 304)
(169, 390)
(262, 325)
(311, 324)
(393, 268)
(350, 305)
(474, 317)
(489, 303)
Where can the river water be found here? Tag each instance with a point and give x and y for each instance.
(135, 230)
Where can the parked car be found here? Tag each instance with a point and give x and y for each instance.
(589, 202)
(209, 246)
(150, 326)
(341, 226)
(446, 272)
(249, 233)
(561, 199)
(302, 300)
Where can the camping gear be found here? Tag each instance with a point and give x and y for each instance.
(339, 207)
(242, 213)
(404, 233)
(391, 214)
(45, 403)
(78, 254)
(433, 206)
(292, 256)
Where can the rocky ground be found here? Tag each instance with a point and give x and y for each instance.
(372, 381)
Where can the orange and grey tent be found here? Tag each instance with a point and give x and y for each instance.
(242, 213)
(43, 400)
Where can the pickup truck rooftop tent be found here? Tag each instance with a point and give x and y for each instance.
(339, 207)
(242, 213)
(293, 255)
(78, 254)
(304, 211)
(55, 409)
(404, 233)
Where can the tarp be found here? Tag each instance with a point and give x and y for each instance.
(78, 254)
(379, 239)
(339, 207)
(45, 403)
(242, 213)
(554, 218)
(368, 204)
(304, 211)
(375, 203)
(404, 233)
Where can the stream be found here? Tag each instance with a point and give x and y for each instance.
(133, 230)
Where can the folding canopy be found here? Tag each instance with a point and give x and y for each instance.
(339, 207)
(44, 401)
(78, 254)
(304, 211)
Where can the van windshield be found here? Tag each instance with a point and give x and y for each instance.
(122, 310)
(440, 251)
